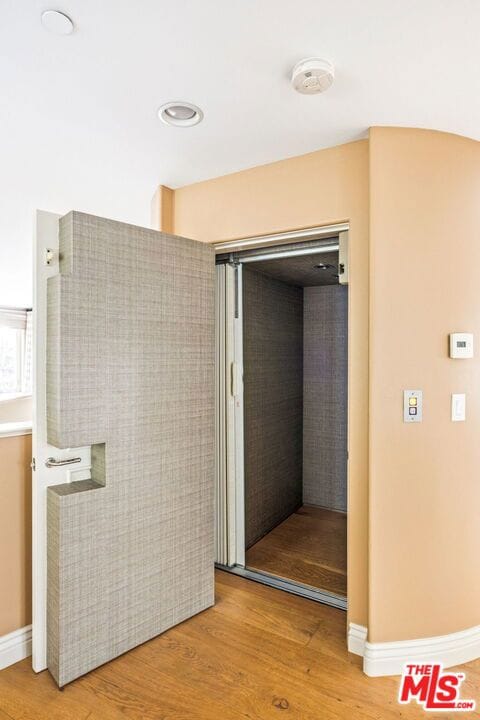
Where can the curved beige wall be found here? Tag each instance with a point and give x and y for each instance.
(424, 478)
(320, 188)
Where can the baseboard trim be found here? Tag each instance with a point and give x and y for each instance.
(389, 658)
(15, 646)
(357, 636)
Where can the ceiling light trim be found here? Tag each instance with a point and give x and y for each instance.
(164, 113)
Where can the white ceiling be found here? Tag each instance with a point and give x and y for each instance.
(78, 125)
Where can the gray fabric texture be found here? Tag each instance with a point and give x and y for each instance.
(273, 387)
(325, 397)
(130, 371)
(302, 270)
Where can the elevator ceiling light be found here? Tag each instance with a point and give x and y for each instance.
(181, 114)
(57, 22)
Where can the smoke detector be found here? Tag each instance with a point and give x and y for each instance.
(312, 76)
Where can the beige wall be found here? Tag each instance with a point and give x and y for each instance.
(15, 533)
(320, 188)
(424, 478)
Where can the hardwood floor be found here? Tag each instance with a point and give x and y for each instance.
(257, 653)
(310, 547)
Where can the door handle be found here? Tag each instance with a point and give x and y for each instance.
(51, 462)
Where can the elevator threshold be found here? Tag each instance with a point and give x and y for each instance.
(290, 586)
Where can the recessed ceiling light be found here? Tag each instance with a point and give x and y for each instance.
(57, 22)
(181, 114)
(322, 266)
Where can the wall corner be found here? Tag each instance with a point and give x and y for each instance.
(163, 209)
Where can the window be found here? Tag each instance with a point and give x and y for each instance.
(15, 352)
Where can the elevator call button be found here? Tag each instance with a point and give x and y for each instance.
(412, 406)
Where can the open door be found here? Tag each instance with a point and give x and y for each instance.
(129, 389)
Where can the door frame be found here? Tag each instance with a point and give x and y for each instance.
(232, 484)
(44, 266)
(229, 485)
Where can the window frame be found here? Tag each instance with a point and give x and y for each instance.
(16, 319)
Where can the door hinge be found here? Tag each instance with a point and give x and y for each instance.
(49, 256)
(33, 464)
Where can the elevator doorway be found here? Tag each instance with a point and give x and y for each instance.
(282, 507)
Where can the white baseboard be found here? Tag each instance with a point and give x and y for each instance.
(357, 636)
(15, 646)
(388, 658)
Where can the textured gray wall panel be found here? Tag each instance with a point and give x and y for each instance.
(325, 397)
(273, 387)
(130, 370)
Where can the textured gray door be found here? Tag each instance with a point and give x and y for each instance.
(130, 371)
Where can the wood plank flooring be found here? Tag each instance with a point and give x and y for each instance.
(309, 547)
(258, 654)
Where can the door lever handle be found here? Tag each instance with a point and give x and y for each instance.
(51, 462)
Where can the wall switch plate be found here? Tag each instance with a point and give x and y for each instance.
(412, 406)
(458, 407)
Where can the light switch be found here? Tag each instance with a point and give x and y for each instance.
(412, 406)
(458, 407)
